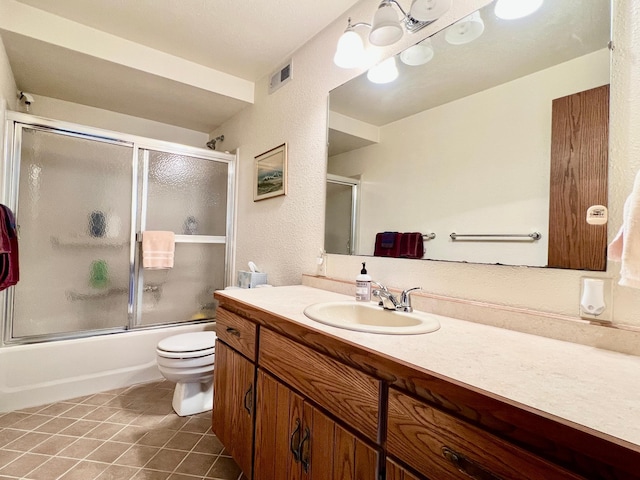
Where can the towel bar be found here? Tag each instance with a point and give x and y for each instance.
(428, 236)
(193, 238)
(531, 236)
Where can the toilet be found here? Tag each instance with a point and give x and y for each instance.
(187, 359)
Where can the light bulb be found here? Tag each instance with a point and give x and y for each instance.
(350, 50)
(384, 72)
(512, 9)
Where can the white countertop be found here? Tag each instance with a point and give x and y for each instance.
(597, 388)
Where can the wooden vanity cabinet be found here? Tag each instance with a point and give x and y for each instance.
(443, 447)
(295, 440)
(234, 387)
(396, 472)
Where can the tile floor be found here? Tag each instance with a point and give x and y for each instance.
(129, 433)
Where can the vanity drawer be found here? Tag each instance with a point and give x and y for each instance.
(237, 332)
(348, 394)
(441, 446)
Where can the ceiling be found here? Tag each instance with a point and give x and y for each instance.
(556, 33)
(230, 41)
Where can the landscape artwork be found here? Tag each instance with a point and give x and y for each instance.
(270, 178)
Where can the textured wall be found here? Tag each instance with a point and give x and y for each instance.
(283, 235)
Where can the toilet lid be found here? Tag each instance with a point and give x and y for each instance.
(188, 342)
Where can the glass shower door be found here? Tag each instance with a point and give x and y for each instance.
(74, 217)
(187, 195)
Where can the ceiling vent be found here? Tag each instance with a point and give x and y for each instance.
(280, 77)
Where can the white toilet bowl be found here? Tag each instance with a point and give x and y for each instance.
(187, 359)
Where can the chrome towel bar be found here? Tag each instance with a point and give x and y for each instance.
(530, 236)
(428, 236)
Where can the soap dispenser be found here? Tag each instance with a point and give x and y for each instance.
(363, 285)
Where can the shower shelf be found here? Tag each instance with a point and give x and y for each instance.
(86, 241)
(75, 296)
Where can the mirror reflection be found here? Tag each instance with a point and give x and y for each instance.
(494, 128)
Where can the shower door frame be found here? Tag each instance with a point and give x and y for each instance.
(15, 122)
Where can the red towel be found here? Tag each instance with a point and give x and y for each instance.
(412, 245)
(387, 244)
(9, 269)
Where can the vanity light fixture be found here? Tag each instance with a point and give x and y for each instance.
(512, 9)
(385, 72)
(418, 54)
(387, 27)
(350, 51)
(466, 30)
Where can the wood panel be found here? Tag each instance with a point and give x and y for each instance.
(579, 162)
(396, 472)
(321, 444)
(277, 411)
(239, 333)
(346, 393)
(232, 420)
(440, 446)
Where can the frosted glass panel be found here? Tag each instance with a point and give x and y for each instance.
(184, 292)
(74, 212)
(186, 195)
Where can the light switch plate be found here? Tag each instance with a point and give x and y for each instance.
(607, 315)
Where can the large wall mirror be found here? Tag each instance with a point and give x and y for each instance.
(502, 137)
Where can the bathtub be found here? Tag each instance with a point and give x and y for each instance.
(38, 374)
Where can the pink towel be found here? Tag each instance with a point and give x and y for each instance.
(157, 249)
(625, 247)
(412, 245)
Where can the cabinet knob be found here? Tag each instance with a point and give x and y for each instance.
(467, 466)
(233, 332)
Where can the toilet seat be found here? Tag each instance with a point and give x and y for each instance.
(188, 345)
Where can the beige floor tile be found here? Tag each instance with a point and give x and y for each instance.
(22, 465)
(108, 452)
(209, 444)
(9, 419)
(137, 456)
(79, 411)
(146, 474)
(56, 409)
(118, 472)
(166, 460)
(6, 457)
(196, 464)
(81, 448)
(156, 438)
(198, 425)
(55, 425)
(79, 428)
(53, 445)
(102, 413)
(130, 434)
(99, 399)
(31, 422)
(85, 470)
(27, 441)
(8, 435)
(52, 469)
(104, 431)
(183, 441)
(224, 468)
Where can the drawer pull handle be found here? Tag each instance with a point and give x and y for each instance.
(248, 400)
(295, 440)
(304, 452)
(233, 332)
(467, 466)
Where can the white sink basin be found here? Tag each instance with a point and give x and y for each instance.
(369, 317)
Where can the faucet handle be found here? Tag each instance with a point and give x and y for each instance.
(405, 299)
(380, 286)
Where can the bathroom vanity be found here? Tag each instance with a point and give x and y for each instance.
(294, 398)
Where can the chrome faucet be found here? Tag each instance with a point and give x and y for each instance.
(388, 300)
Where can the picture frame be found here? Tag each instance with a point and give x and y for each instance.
(270, 173)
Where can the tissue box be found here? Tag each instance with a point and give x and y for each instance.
(251, 279)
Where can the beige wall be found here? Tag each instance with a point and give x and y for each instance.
(494, 181)
(283, 235)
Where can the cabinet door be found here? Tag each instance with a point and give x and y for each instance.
(396, 472)
(295, 441)
(233, 398)
(329, 452)
(278, 431)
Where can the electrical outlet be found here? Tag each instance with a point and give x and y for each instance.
(593, 291)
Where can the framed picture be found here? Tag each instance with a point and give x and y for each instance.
(270, 177)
